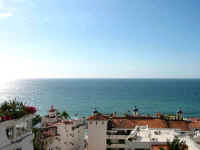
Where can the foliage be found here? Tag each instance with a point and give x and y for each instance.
(176, 144)
(13, 110)
(108, 142)
(36, 120)
(63, 114)
(37, 143)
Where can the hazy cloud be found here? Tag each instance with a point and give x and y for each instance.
(5, 11)
(1, 4)
(5, 15)
(9, 7)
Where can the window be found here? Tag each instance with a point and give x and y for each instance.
(10, 132)
(108, 142)
(18, 148)
(29, 124)
(109, 126)
(58, 148)
(96, 122)
(121, 141)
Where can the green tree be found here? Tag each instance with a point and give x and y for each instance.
(36, 120)
(62, 114)
(176, 144)
(65, 115)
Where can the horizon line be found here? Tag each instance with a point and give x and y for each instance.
(98, 78)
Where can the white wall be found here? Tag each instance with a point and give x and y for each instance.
(24, 141)
(68, 139)
(97, 134)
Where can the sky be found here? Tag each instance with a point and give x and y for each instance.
(99, 39)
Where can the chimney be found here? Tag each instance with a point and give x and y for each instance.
(135, 111)
(115, 114)
(158, 115)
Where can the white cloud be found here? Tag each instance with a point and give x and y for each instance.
(5, 11)
(1, 4)
(5, 15)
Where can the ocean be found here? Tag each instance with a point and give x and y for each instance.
(107, 95)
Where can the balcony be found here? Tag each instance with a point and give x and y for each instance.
(117, 136)
(116, 143)
(118, 132)
(117, 146)
(22, 137)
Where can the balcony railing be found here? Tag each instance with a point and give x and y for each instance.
(118, 132)
(22, 137)
(117, 146)
(117, 136)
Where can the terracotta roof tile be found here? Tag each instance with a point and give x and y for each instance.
(165, 147)
(194, 124)
(132, 123)
(98, 117)
(157, 147)
(52, 110)
(179, 124)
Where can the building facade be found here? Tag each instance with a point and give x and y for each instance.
(17, 134)
(136, 132)
(60, 133)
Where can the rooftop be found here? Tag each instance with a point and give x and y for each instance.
(150, 121)
(132, 123)
(98, 117)
(157, 147)
(141, 134)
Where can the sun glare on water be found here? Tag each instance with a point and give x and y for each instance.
(4, 80)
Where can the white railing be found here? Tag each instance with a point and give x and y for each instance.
(117, 136)
(117, 146)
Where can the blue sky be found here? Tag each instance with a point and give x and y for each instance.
(99, 39)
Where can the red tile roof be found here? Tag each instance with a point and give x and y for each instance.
(179, 124)
(132, 123)
(165, 147)
(194, 124)
(67, 122)
(152, 122)
(52, 110)
(98, 117)
(157, 147)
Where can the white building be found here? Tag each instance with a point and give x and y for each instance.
(135, 132)
(17, 134)
(62, 134)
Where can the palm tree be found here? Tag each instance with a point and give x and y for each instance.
(65, 115)
(62, 114)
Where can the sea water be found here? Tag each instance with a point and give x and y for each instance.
(81, 96)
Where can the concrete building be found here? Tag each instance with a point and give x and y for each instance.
(136, 132)
(17, 134)
(60, 133)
